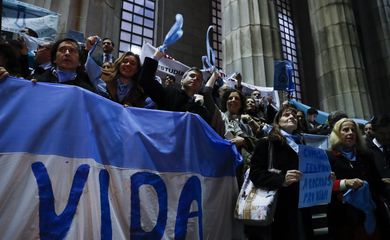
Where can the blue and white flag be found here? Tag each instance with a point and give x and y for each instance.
(74, 165)
(17, 15)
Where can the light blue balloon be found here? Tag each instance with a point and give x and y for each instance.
(174, 34)
(210, 50)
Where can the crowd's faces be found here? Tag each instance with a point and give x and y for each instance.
(312, 117)
(348, 134)
(107, 69)
(169, 81)
(300, 115)
(106, 66)
(107, 46)
(382, 134)
(233, 104)
(250, 104)
(128, 67)
(256, 94)
(42, 54)
(192, 81)
(368, 130)
(288, 121)
(67, 56)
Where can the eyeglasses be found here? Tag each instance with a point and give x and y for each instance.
(64, 49)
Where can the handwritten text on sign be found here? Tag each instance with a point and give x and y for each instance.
(315, 184)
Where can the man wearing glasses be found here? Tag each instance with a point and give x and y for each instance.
(66, 69)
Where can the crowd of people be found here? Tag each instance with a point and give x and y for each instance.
(252, 123)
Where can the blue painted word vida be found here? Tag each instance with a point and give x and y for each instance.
(53, 226)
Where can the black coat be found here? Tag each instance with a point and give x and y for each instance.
(172, 99)
(81, 80)
(344, 219)
(288, 218)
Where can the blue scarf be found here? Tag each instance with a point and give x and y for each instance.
(349, 154)
(292, 140)
(64, 76)
(361, 199)
(123, 89)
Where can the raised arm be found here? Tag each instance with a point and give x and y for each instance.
(147, 79)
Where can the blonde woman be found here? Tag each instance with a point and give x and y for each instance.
(354, 168)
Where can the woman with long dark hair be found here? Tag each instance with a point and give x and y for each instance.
(289, 221)
(123, 83)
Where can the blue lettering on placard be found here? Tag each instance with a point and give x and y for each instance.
(51, 225)
(192, 191)
(136, 231)
(105, 228)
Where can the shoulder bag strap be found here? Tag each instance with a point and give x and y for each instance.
(271, 158)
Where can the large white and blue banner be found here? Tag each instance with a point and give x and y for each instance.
(74, 165)
(17, 15)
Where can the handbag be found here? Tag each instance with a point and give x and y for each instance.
(256, 206)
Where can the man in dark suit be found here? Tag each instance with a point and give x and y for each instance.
(103, 53)
(108, 48)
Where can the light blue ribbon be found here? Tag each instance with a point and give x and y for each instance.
(174, 34)
(209, 60)
(290, 141)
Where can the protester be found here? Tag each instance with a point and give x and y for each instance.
(232, 107)
(108, 48)
(169, 81)
(353, 167)
(313, 126)
(107, 69)
(289, 221)
(380, 147)
(302, 123)
(42, 60)
(368, 132)
(184, 99)
(123, 83)
(65, 57)
(254, 117)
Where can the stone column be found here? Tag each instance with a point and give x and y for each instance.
(251, 39)
(374, 19)
(340, 70)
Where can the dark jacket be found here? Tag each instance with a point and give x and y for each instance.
(81, 80)
(172, 99)
(287, 222)
(344, 219)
